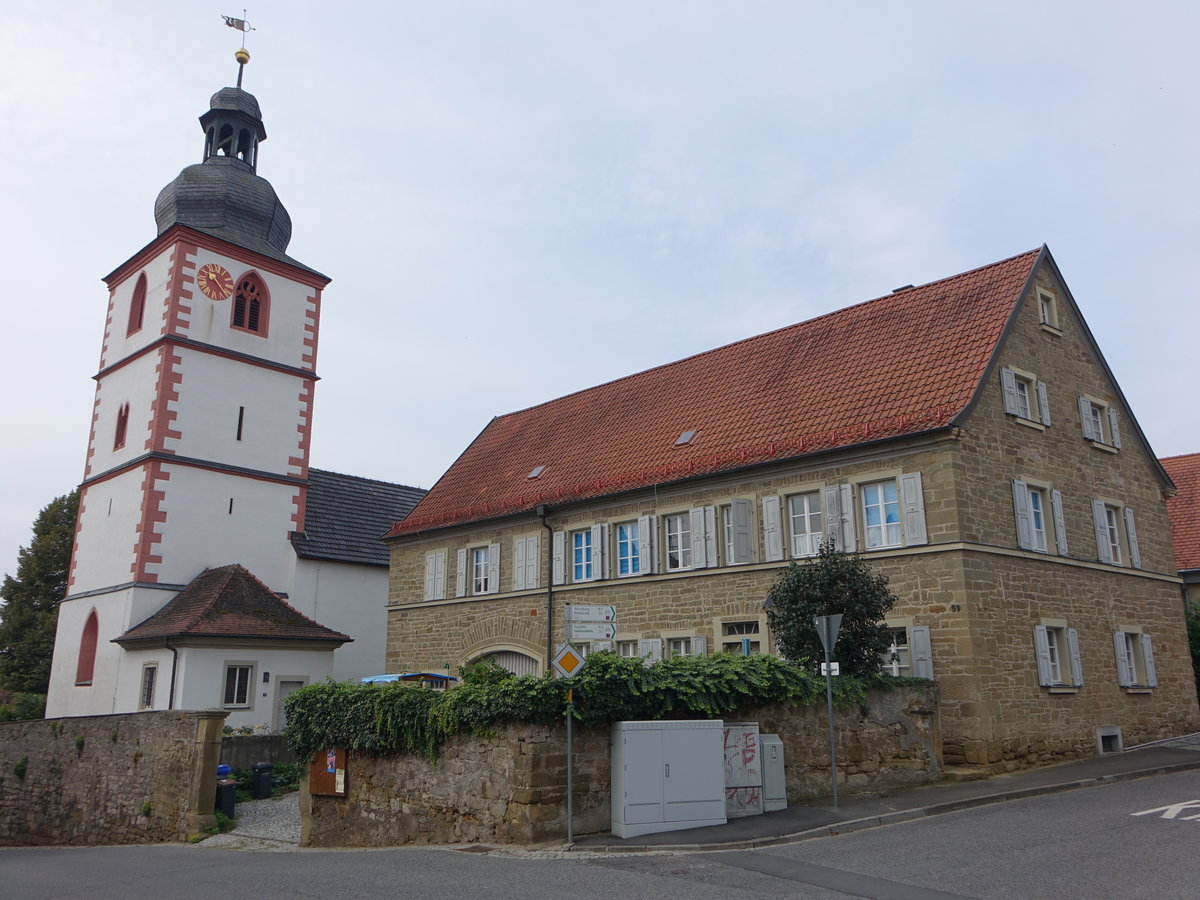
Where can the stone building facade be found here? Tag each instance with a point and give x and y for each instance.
(967, 438)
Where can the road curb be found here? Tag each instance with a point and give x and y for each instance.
(894, 818)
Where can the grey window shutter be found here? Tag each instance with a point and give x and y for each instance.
(1114, 427)
(531, 563)
(598, 646)
(710, 535)
(1124, 674)
(831, 511)
(1060, 522)
(599, 551)
(772, 535)
(1043, 402)
(849, 532)
(493, 568)
(699, 545)
(1085, 419)
(1008, 381)
(700, 646)
(1076, 662)
(430, 576)
(1135, 553)
(921, 648)
(1148, 661)
(460, 576)
(912, 500)
(519, 564)
(1041, 646)
(1100, 521)
(558, 573)
(743, 549)
(1020, 492)
(650, 650)
(648, 544)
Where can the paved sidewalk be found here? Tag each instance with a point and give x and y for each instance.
(803, 820)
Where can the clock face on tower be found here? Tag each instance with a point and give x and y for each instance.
(215, 281)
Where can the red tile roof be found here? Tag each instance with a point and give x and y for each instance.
(1184, 509)
(904, 363)
(230, 602)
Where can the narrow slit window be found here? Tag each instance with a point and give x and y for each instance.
(241, 421)
(122, 426)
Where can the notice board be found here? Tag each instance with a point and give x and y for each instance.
(327, 773)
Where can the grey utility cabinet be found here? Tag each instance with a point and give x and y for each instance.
(667, 776)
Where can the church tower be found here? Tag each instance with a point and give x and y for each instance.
(199, 449)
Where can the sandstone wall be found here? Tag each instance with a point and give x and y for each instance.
(512, 787)
(124, 779)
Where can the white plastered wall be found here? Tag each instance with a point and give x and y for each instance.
(134, 384)
(350, 599)
(65, 698)
(107, 536)
(158, 271)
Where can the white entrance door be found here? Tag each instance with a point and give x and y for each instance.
(282, 690)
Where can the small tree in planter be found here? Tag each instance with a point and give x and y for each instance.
(830, 583)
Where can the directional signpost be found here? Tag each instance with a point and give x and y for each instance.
(827, 630)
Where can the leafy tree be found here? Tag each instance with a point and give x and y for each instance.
(1193, 630)
(30, 611)
(830, 583)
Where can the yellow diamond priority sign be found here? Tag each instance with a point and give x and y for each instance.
(567, 661)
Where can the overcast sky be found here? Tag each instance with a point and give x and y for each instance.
(516, 200)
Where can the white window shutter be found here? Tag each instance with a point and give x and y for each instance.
(1076, 661)
(1020, 492)
(599, 552)
(1135, 553)
(772, 534)
(700, 646)
(1008, 381)
(1041, 646)
(699, 545)
(912, 500)
(921, 648)
(650, 650)
(710, 535)
(439, 584)
(1114, 427)
(493, 568)
(1043, 402)
(558, 559)
(849, 532)
(519, 564)
(531, 563)
(831, 512)
(430, 576)
(1124, 674)
(1100, 521)
(1060, 522)
(1148, 661)
(1085, 419)
(648, 544)
(743, 549)
(598, 646)
(460, 576)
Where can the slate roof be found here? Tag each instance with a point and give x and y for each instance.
(346, 517)
(1184, 509)
(229, 602)
(901, 364)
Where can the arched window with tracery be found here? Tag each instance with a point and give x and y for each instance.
(86, 666)
(137, 306)
(251, 305)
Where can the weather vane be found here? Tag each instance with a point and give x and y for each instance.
(241, 55)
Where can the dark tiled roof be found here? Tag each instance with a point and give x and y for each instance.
(230, 602)
(1184, 509)
(346, 517)
(901, 364)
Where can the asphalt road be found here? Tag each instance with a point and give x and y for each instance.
(1081, 844)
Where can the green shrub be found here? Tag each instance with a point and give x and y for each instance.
(378, 719)
(23, 706)
(1193, 630)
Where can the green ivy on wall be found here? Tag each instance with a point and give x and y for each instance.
(380, 719)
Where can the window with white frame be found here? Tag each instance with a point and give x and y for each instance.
(149, 679)
(909, 652)
(1041, 525)
(741, 637)
(887, 513)
(1099, 423)
(478, 570)
(737, 544)
(881, 514)
(628, 557)
(1057, 649)
(435, 575)
(1048, 309)
(581, 555)
(238, 680)
(807, 525)
(628, 649)
(1115, 530)
(678, 532)
(1135, 659)
(896, 660)
(1025, 397)
(690, 645)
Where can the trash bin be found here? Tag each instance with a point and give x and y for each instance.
(261, 780)
(225, 795)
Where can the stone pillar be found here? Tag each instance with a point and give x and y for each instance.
(205, 759)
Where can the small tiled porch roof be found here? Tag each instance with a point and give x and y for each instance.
(1184, 509)
(229, 602)
(902, 364)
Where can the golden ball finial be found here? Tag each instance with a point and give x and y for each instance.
(241, 56)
